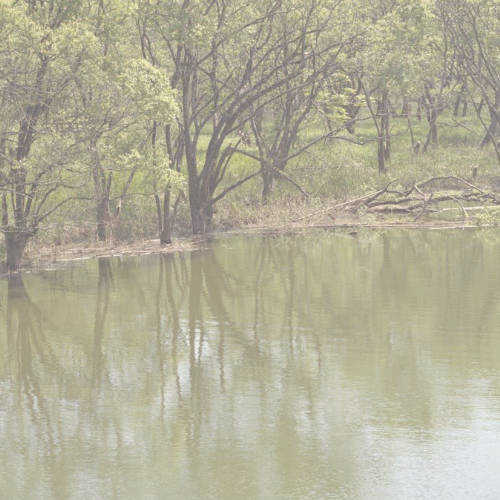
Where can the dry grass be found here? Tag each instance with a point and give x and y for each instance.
(42, 256)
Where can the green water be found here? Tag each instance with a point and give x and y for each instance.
(316, 365)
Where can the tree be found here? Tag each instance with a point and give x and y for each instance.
(276, 126)
(403, 55)
(472, 29)
(167, 148)
(42, 48)
(117, 100)
(226, 58)
(161, 181)
(116, 95)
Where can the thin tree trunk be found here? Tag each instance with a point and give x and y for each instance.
(432, 135)
(480, 107)
(412, 134)
(386, 127)
(433, 128)
(159, 218)
(461, 97)
(405, 108)
(432, 115)
(457, 104)
(381, 154)
(166, 230)
(419, 109)
(491, 132)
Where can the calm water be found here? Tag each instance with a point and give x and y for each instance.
(308, 366)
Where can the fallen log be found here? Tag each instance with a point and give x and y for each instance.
(418, 200)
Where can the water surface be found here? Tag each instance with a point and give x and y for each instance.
(316, 365)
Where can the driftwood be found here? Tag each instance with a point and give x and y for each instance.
(420, 199)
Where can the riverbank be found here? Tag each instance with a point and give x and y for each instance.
(450, 203)
(37, 258)
(44, 257)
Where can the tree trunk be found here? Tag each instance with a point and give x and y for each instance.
(166, 230)
(419, 109)
(200, 221)
(267, 181)
(491, 132)
(433, 126)
(405, 108)
(457, 104)
(201, 216)
(429, 102)
(381, 156)
(197, 220)
(164, 218)
(166, 234)
(461, 98)
(383, 115)
(480, 107)
(432, 135)
(15, 243)
(386, 127)
(432, 119)
(102, 218)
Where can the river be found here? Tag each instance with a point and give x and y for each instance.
(312, 365)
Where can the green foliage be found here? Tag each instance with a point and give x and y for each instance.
(156, 171)
(149, 90)
(124, 99)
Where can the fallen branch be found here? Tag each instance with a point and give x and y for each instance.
(417, 200)
(365, 198)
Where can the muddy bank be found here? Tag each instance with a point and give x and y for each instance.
(44, 257)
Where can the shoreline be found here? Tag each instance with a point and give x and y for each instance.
(43, 258)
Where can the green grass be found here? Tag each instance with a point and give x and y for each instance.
(340, 169)
(332, 170)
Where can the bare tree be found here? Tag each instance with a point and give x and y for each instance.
(472, 29)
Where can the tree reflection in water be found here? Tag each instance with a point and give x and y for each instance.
(186, 370)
